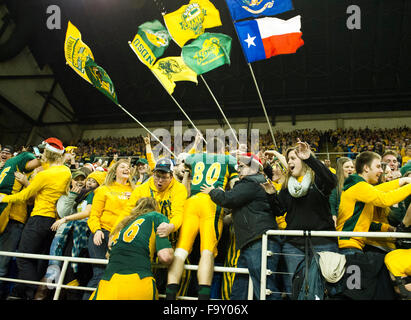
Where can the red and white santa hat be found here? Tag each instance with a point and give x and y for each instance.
(250, 159)
(53, 145)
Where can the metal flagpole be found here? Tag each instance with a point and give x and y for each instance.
(134, 118)
(255, 82)
(178, 105)
(221, 110)
(188, 118)
(262, 104)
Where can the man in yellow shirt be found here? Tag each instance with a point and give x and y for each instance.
(46, 188)
(171, 196)
(359, 197)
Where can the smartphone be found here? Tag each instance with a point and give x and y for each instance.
(36, 151)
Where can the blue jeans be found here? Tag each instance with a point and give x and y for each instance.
(250, 258)
(57, 237)
(293, 255)
(96, 252)
(9, 241)
(347, 251)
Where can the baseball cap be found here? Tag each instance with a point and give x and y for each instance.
(53, 145)
(8, 148)
(165, 165)
(141, 160)
(78, 173)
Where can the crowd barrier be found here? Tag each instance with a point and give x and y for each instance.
(264, 254)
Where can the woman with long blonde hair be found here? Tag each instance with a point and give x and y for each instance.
(128, 275)
(109, 201)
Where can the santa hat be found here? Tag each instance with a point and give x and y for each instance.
(53, 145)
(250, 159)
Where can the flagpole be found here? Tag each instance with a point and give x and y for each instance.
(134, 118)
(262, 104)
(255, 81)
(218, 105)
(178, 105)
(188, 118)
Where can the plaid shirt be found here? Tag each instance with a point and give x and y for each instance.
(81, 233)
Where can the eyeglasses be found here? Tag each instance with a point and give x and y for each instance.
(160, 177)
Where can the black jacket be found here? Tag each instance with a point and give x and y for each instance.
(251, 211)
(312, 211)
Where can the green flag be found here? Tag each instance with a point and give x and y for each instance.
(100, 79)
(207, 52)
(150, 42)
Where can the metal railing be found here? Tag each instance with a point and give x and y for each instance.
(265, 253)
(66, 260)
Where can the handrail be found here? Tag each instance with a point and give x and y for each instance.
(313, 233)
(264, 272)
(66, 259)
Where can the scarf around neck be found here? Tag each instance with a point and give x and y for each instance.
(298, 189)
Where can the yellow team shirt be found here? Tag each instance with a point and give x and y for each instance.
(358, 199)
(47, 187)
(108, 203)
(171, 200)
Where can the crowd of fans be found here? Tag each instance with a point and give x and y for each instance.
(347, 142)
(88, 199)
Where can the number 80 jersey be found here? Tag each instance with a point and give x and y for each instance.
(211, 169)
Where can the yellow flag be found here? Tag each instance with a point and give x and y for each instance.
(190, 20)
(171, 69)
(76, 51)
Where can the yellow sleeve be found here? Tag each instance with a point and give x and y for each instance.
(367, 193)
(151, 160)
(388, 186)
(178, 198)
(97, 208)
(35, 186)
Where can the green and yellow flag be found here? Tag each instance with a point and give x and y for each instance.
(171, 69)
(150, 42)
(190, 20)
(207, 52)
(100, 79)
(76, 51)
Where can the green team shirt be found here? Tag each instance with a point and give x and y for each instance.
(211, 169)
(8, 182)
(134, 246)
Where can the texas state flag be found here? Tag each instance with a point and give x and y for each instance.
(266, 37)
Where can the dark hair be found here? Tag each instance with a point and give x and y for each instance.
(365, 158)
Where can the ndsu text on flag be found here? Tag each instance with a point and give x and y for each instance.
(76, 51)
(150, 42)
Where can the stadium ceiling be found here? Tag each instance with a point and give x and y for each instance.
(337, 70)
